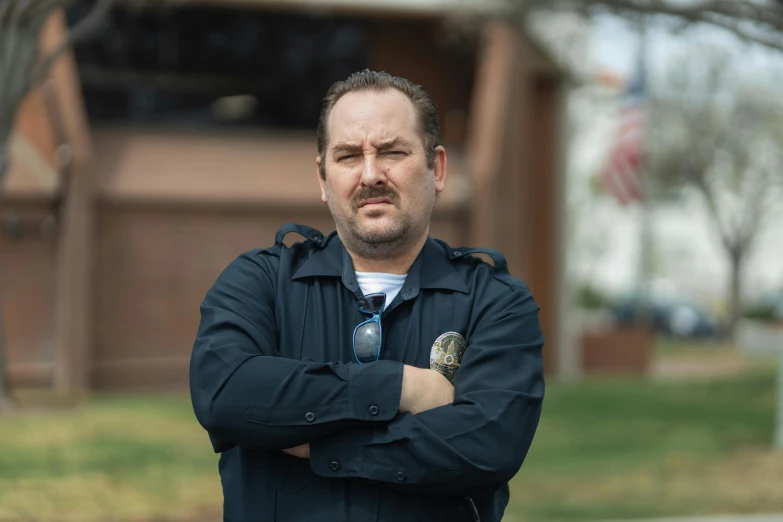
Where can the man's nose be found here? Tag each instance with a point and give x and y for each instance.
(373, 174)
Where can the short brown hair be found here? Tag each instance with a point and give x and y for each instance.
(368, 80)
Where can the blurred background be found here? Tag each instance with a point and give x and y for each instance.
(625, 155)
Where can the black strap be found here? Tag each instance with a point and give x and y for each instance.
(498, 259)
(303, 230)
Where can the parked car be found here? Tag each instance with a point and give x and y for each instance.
(769, 308)
(671, 316)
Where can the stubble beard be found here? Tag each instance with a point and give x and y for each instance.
(377, 242)
(374, 242)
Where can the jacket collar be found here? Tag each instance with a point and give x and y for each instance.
(432, 269)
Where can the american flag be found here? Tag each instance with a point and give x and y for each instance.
(623, 172)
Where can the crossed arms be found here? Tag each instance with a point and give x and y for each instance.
(382, 421)
(422, 389)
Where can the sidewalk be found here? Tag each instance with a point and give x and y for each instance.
(722, 518)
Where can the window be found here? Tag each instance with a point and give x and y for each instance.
(213, 66)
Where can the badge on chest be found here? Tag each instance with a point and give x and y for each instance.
(446, 354)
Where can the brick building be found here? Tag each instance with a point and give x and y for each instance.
(181, 136)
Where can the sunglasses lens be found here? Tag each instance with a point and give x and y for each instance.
(372, 303)
(366, 342)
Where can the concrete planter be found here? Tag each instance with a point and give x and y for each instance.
(760, 338)
(617, 351)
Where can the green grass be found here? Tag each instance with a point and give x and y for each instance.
(676, 349)
(112, 459)
(605, 449)
(635, 448)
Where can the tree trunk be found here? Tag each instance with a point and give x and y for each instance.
(6, 401)
(778, 442)
(737, 257)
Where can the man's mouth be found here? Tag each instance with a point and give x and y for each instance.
(374, 201)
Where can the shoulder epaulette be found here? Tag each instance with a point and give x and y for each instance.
(306, 232)
(499, 263)
(498, 259)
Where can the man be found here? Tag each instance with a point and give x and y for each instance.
(375, 374)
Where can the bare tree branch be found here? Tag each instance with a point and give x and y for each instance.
(749, 20)
(751, 11)
(18, 12)
(735, 27)
(5, 12)
(85, 27)
(720, 134)
(17, 60)
(44, 7)
(21, 22)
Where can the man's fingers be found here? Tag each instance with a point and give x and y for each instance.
(302, 451)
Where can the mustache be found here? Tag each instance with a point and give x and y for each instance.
(371, 193)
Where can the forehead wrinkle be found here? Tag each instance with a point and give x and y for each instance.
(398, 141)
(361, 121)
(345, 145)
(360, 134)
(382, 144)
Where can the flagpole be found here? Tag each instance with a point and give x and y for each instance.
(646, 254)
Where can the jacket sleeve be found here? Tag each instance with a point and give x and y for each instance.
(245, 394)
(479, 440)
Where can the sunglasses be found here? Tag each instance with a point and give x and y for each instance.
(367, 335)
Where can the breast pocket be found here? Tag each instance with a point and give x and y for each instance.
(320, 327)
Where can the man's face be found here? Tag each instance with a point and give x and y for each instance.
(378, 187)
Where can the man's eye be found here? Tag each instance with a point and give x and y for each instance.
(394, 153)
(346, 157)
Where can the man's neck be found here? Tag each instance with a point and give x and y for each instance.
(398, 263)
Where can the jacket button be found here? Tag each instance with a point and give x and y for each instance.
(374, 410)
(310, 416)
(400, 476)
(334, 465)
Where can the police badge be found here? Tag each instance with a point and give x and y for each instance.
(446, 354)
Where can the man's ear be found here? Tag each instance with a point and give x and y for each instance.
(320, 178)
(440, 168)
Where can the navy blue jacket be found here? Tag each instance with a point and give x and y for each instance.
(272, 369)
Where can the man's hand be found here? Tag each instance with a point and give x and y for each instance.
(303, 451)
(424, 389)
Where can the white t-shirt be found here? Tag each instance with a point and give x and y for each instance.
(374, 282)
